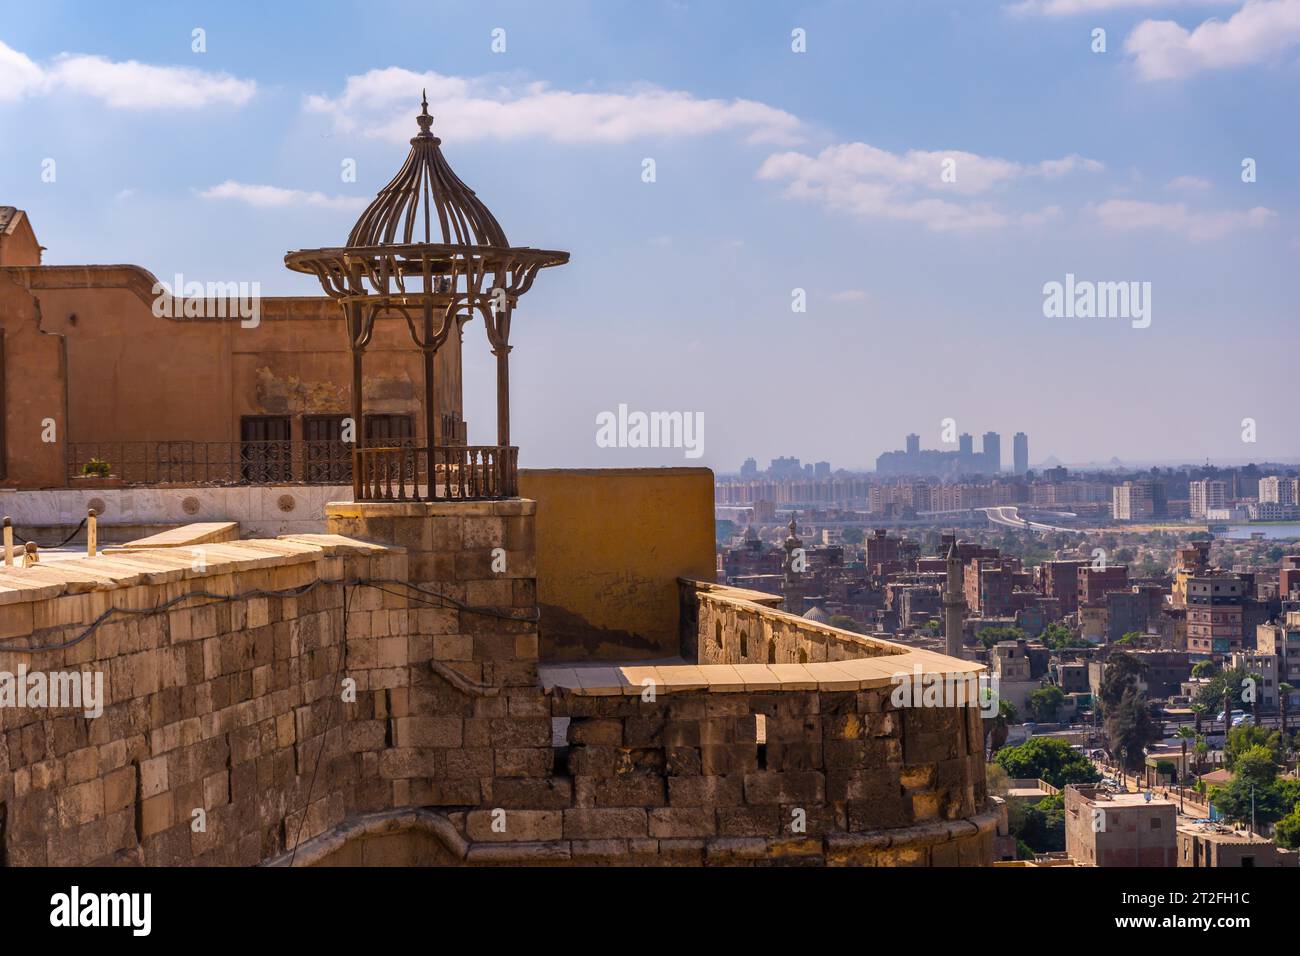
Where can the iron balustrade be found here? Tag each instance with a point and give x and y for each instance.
(396, 471)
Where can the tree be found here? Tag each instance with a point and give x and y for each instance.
(1229, 684)
(1204, 669)
(1046, 703)
(843, 622)
(1185, 734)
(1057, 637)
(992, 635)
(996, 729)
(1130, 728)
(1121, 674)
(1256, 789)
(1287, 832)
(1246, 737)
(1049, 759)
(1041, 825)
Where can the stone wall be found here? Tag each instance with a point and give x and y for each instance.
(730, 626)
(229, 690)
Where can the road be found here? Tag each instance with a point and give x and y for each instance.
(1008, 516)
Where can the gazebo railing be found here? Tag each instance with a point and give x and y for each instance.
(460, 472)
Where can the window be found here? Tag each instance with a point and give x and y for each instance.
(265, 452)
(717, 633)
(385, 428)
(1155, 823)
(771, 652)
(744, 644)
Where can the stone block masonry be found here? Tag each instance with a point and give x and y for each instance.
(374, 695)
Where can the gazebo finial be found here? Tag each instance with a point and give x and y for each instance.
(424, 119)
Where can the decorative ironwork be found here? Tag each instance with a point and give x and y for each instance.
(429, 251)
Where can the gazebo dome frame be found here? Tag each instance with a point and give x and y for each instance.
(427, 249)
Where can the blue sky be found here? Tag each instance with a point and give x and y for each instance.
(775, 171)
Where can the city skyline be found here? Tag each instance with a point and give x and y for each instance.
(771, 167)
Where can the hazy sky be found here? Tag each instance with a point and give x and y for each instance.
(774, 171)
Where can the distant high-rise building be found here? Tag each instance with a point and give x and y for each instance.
(965, 445)
(1206, 494)
(822, 469)
(785, 468)
(992, 452)
(913, 444)
(749, 469)
(1020, 452)
(1278, 490)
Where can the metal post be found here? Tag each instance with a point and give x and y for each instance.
(9, 543)
(92, 533)
(503, 395)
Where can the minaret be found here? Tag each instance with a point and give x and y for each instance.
(793, 584)
(953, 604)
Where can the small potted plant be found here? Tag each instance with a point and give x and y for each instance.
(98, 473)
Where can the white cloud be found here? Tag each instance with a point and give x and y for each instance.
(276, 197)
(1261, 30)
(1069, 8)
(383, 103)
(125, 84)
(866, 181)
(1131, 215)
(1194, 184)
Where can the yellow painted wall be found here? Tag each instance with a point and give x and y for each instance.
(611, 544)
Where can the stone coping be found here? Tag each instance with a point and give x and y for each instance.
(501, 507)
(123, 569)
(758, 604)
(865, 673)
(200, 532)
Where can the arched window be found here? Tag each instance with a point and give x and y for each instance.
(803, 656)
(744, 644)
(717, 633)
(771, 652)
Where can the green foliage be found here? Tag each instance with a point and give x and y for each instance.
(1255, 778)
(1046, 703)
(842, 621)
(723, 530)
(1049, 759)
(1040, 826)
(1247, 737)
(1224, 682)
(97, 468)
(854, 536)
(1058, 637)
(1287, 832)
(991, 635)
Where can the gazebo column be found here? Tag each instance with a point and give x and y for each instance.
(430, 422)
(358, 410)
(503, 394)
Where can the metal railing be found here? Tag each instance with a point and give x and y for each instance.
(215, 462)
(460, 472)
(397, 470)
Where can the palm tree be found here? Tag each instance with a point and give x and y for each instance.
(1185, 734)
(1197, 711)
